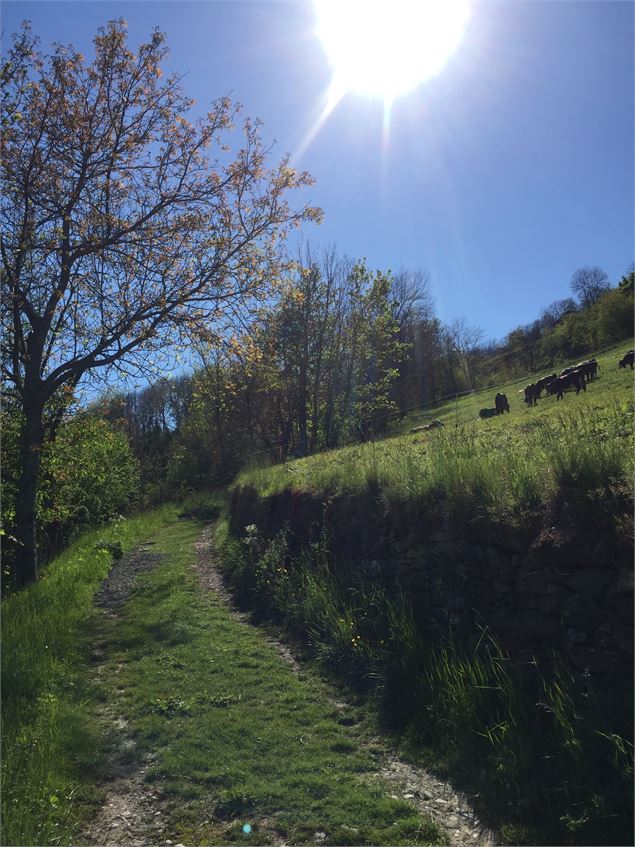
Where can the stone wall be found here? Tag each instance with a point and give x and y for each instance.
(536, 587)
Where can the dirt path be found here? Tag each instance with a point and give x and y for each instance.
(430, 795)
(131, 815)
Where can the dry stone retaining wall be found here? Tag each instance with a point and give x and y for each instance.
(535, 587)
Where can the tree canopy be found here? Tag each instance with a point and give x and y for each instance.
(126, 226)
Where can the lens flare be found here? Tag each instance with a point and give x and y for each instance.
(386, 49)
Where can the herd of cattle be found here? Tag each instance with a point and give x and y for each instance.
(576, 377)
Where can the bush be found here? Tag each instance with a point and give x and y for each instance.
(89, 476)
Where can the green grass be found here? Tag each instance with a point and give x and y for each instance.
(506, 465)
(236, 736)
(52, 746)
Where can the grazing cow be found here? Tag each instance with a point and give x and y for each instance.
(574, 379)
(543, 382)
(487, 413)
(568, 370)
(427, 427)
(531, 395)
(501, 403)
(589, 367)
(627, 360)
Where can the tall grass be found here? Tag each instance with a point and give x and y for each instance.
(505, 470)
(52, 743)
(550, 762)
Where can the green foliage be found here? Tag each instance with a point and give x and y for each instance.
(89, 476)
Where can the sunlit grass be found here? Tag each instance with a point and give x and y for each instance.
(507, 464)
(52, 747)
(506, 470)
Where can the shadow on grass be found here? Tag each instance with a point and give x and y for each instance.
(200, 513)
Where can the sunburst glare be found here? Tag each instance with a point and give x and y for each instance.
(386, 48)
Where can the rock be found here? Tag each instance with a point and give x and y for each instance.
(590, 582)
(620, 609)
(532, 583)
(548, 604)
(580, 612)
(319, 837)
(623, 638)
(532, 623)
(576, 636)
(625, 582)
(593, 659)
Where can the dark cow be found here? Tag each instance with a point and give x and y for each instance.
(487, 413)
(627, 360)
(589, 368)
(574, 379)
(543, 382)
(501, 403)
(531, 395)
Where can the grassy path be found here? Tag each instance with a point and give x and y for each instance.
(216, 732)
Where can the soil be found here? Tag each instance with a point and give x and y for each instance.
(116, 588)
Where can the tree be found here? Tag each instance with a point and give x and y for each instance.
(627, 282)
(122, 233)
(553, 313)
(465, 339)
(588, 284)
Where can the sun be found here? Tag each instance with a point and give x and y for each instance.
(386, 48)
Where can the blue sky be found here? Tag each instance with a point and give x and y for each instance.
(501, 175)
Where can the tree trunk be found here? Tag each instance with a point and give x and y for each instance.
(26, 566)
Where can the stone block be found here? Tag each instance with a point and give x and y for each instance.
(625, 582)
(620, 609)
(534, 624)
(592, 581)
(576, 636)
(532, 583)
(580, 612)
(547, 605)
(593, 659)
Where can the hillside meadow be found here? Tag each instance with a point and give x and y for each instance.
(507, 464)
